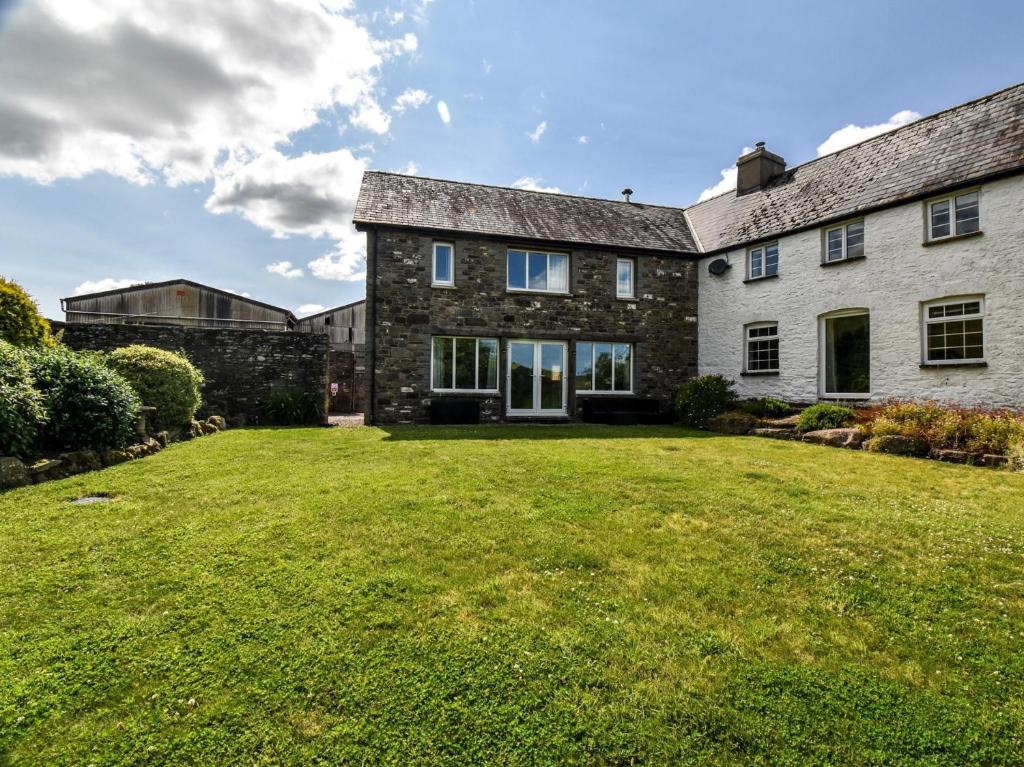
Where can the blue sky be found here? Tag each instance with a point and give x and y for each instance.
(147, 153)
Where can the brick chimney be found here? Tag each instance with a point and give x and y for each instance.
(755, 170)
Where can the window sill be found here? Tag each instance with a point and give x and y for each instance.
(605, 394)
(755, 373)
(952, 238)
(466, 392)
(625, 298)
(842, 261)
(442, 285)
(941, 365)
(761, 279)
(528, 292)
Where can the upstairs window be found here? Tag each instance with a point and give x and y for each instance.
(762, 348)
(954, 215)
(464, 364)
(844, 242)
(763, 261)
(444, 264)
(604, 368)
(624, 278)
(538, 272)
(954, 330)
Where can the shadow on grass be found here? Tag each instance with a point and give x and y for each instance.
(501, 431)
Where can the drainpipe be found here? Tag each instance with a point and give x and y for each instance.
(371, 405)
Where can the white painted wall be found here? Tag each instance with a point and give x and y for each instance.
(897, 275)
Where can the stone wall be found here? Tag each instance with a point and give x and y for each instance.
(404, 311)
(242, 367)
(897, 274)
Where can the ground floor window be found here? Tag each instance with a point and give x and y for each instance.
(762, 347)
(604, 367)
(954, 330)
(464, 364)
(846, 354)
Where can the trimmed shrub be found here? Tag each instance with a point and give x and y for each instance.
(294, 408)
(162, 379)
(20, 321)
(1016, 456)
(21, 406)
(87, 405)
(824, 416)
(766, 407)
(701, 399)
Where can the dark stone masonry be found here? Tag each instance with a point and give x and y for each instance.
(404, 311)
(242, 367)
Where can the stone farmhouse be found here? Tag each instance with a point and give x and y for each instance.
(888, 269)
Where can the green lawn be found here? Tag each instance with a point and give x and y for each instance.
(513, 595)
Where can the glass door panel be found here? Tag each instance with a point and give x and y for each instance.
(846, 366)
(520, 390)
(552, 376)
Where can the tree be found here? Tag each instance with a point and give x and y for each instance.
(20, 321)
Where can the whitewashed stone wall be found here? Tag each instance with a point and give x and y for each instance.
(897, 275)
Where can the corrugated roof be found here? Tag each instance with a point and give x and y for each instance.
(425, 203)
(972, 141)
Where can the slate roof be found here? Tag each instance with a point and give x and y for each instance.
(972, 141)
(426, 203)
(969, 142)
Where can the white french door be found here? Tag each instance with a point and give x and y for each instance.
(536, 382)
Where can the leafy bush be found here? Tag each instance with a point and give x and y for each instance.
(162, 379)
(701, 399)
(766, 407)
(291, 407)
(1016, 456)
(21, 406)
(87, 404)
(20, 321)
(824, 416)
(995, 434)
(977, 430)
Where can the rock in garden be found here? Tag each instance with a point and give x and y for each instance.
(46, 469)
(80, 461)
(13, 473)
(732, 423)
(951, 456)
(113, 457)
(993, 461)
(218, 421)
(897, 444)
(195, 429)
(208, 428)
(162, 437)
(775, 433)
(136, 451)
(850, 438)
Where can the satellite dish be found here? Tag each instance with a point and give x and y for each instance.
(719, 266)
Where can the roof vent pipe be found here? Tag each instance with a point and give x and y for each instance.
(626, 193)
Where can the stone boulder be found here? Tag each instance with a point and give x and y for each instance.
(13, 473)
(162, 437)
(732, 423)
(80, 461)
(136, 451)
(218, 421)
(208, 428)
(774, 433)
(950, 456)
(850, 438)
(195, 429)
(897, 444)
(113, 457)
(47, 469)
(788, 422)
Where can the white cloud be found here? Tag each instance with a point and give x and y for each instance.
(107, 283)
(537, 132)
(307, 309)
(177, 92)
(854, 134)
(583, 140)
(284, 269)
(410, 169)
(241, 293)
(726, 184)
(488, 67)
(442, 109)
(531, 184)
(412, 98)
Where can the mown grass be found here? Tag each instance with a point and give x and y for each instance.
(513, 595)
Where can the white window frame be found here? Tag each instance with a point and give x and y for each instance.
(843, 227)
(526, 275)
(593, 368)
(746, 346)
(433, 266)
(950, 199)
(476, 365)
(632, 277)
(949, 300)
(764, 260)
(822, 341)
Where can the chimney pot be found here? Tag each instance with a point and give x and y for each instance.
(756, 170)
(626, 193)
